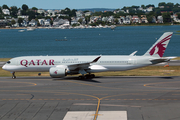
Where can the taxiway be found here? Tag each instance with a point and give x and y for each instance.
(102, 98)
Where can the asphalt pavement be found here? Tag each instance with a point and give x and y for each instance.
(101, 98)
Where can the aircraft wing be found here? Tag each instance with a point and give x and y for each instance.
(82, 66)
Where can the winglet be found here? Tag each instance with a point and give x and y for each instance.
(95, 60)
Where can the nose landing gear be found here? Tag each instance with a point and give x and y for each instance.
(13, 75)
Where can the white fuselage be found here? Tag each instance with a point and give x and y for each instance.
(105, 63)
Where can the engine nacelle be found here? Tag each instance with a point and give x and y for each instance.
(56, 72)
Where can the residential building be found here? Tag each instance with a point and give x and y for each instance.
(6, 11)
(144, 19)
(79, 13)
(135, 19)
(57, 22)
(33, 22)
(160, 19)
(40, 11)
(88, 13)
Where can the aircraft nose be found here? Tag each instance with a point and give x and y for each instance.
(4, 67)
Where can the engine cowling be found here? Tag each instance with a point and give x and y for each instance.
(56, 72)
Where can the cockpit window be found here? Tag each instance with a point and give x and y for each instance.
(9, 62)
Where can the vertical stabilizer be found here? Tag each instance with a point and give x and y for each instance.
(158, 49)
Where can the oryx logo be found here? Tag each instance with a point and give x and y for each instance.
(56, 72)
(160, 47)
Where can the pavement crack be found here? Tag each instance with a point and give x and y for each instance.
(142, 116)
(39, 110)
(9, 110)
(23, 111)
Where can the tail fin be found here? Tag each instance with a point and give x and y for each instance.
(158, 49)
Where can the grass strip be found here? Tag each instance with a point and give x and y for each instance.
(145, 71)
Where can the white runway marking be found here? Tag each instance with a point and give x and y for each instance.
(102, 115)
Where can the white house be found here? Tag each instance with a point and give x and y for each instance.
(160, 19)
(79, 13)
(88, 13)
(33, 22)
(6, 11)
(40, 11)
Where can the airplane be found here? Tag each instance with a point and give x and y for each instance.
(61, 66)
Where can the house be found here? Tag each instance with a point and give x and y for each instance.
(25, 23)
(6, 11)
(135, 19)
(111, 19)
(105, 19)
(33, 22)
(51, 13)
(149, 9)
(74, 21)
(63, 15)
(47, 22)
(144, 19)
(57, 22)
(94, 19)
(175, 18)
(128, 19)
(24, 16)
(40, 11)
(154, 19)
(122, 20)
(160, 19)
(79, 13)
(88, 13)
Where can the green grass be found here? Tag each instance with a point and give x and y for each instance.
(4, 59)
(146, 71)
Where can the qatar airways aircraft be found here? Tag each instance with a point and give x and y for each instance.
(60, 66)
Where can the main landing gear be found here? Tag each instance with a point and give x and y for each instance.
(88, 76)
(13, 75)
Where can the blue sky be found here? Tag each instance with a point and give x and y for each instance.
(78, 4)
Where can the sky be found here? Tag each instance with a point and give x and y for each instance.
(81, 4)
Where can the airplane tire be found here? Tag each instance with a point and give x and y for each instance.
(14, 77)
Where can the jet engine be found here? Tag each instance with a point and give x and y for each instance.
(57, 72)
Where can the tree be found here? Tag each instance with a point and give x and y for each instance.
(51, 22)
(116, 21)
(170, 4)
(5, 7)
(150, 6)
(143, 6)
(13, 22)
(20, 20)
(31, 15)
(14, 11)
(80, 21)
(166, 17)
(162, 4)
(87, 19)
(25, 7)
(178, 15)
(150, 18)
(34, 8)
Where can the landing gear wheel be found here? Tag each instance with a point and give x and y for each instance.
(92, 76)
(13, 75)
(82, 77)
